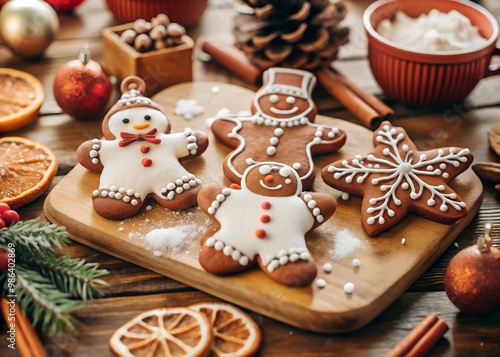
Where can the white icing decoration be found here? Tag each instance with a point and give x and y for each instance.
(188, 108)
(404, 172)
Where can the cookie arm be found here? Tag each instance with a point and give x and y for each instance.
(87, 152)
(207, 195)
(202, 144)
(321, 206)
(223, 128)
(332, 139)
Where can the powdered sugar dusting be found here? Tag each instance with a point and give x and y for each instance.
(344, 244)
(166, 238)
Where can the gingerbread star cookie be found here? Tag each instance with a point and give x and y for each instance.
(263, 221)
(281, 129)
(396, 178)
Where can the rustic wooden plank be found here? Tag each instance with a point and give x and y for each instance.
(468, 334)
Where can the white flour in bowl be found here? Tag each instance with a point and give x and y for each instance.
(436, 31)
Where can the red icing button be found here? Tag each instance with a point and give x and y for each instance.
(265, 218)
(260, 233)
(266, 205)
(146, 162)
(235, 186)
(145, 149)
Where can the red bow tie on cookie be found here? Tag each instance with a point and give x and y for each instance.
(130, 138)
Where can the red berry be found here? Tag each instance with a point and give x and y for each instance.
(10, 217)
(4, 207)
(4, 260)
(2, 223)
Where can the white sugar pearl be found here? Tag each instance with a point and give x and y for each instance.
(327, 267)
(356, 262)
(348, 288)
(320, 283)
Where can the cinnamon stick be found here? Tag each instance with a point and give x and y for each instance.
(336, 87)
(27, 342)
(231, 58)
(421, 339)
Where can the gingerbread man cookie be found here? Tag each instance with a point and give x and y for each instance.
(281, 128)
(263, 221)
(139, 157)
(396, 178)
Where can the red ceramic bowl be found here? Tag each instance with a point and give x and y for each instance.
(428, 78)
(184, 12)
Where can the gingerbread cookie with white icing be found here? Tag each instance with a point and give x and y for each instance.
(263, 221)
(281, 128)
(396, 178)
(139, 158)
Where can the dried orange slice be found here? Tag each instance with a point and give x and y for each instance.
(176, 331)
(235, 332)
(21, 96)
(26, 170)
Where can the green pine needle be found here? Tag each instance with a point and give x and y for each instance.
(47, 282)
(73, 276)
(45, 303)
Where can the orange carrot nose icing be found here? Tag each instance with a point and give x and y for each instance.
(141, 126)
(268, 179)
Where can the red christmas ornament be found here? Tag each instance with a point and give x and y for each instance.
(64, 6)
(81, 87)
(471, 279)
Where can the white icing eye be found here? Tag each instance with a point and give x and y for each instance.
(273, 98)
(265, 169)
(290, 100)
(288, 181)
(285, 171)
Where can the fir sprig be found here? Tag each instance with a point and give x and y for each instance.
(45, 303)
(47, 282)
(73, 275)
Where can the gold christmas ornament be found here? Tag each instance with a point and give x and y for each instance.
(291, 33)
(28, 27)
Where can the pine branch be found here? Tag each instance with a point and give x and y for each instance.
(44, 303)
(72, 275)
(37, 238)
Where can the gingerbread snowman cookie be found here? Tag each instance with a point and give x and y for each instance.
(281, 128)
(264, 221)
(139, 158)
(396, 178)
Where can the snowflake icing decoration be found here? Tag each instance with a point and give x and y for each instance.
(188, 108)
(400, 165)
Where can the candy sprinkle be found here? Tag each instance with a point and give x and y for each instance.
(348, 288)
(320, 283)
(356, 262)
(327, 267)
(403, 240)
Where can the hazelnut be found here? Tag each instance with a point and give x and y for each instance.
(128, 36)
(176, 30)
(159, 44)
(158, 32)
(141, 26)
(160, 19)
(143, 42)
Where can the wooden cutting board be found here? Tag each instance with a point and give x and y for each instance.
(387, 266)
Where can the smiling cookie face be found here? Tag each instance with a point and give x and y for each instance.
(137, 120)
(272, 179)
(283, 106)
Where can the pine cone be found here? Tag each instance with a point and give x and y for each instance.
(291, 33)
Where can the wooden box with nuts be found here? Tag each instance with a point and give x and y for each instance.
(158, 51)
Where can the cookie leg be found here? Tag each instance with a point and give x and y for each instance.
(108, 205)
(294, 274)
(220, 259)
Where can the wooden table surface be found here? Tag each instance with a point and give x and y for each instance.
(134, 289)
